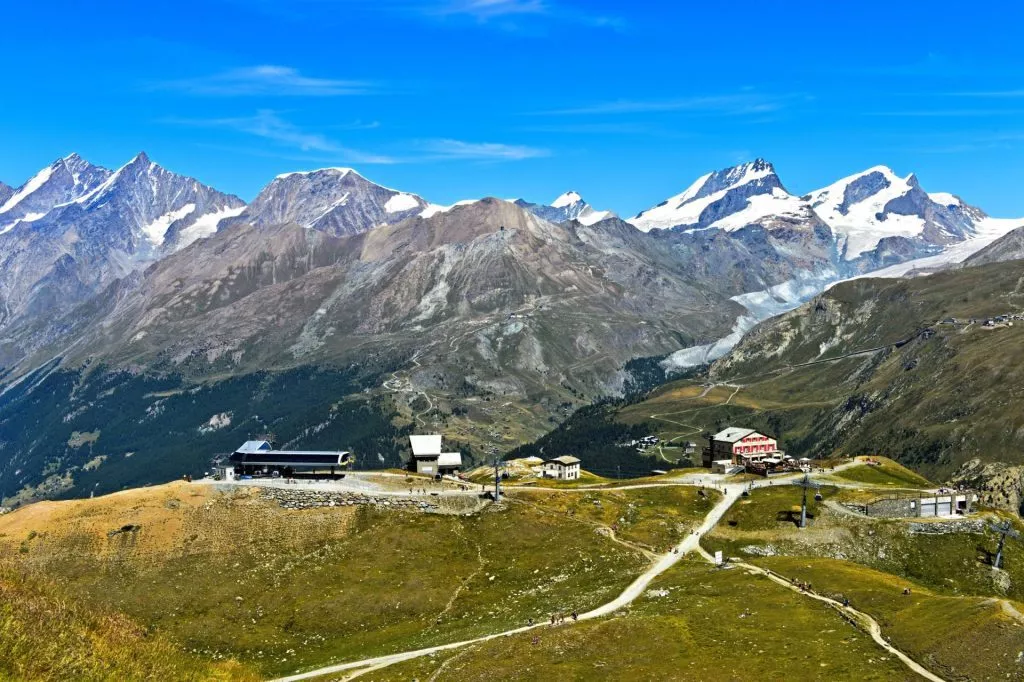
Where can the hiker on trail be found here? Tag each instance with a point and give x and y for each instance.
(552, 619)
(575, 616)
(530, 622)
(846, 602)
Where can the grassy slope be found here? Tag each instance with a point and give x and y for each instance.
(885, 473)
(711, 625)
(654, 518)
(952, 563)
(44, 635)
(956, 637)
(324, 585)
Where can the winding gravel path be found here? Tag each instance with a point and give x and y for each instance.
(730, 493)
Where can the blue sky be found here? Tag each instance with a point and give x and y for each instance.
(626, 103)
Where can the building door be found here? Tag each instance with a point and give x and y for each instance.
(927, 507)
(944, 508)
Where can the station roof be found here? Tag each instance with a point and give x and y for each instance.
(450, 459)
(565, 460)
(426, 445)
(254, 446)
(732, 434)
(292, 458)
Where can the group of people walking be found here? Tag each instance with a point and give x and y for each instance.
(559, 618)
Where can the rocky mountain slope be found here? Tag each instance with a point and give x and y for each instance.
(6, 191)
(75, 227)
(1008, 247)
(338, 201)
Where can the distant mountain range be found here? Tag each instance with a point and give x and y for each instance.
(495, 316)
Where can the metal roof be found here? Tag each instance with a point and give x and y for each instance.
(732, 434)
(565, 460)
(426, 445)
(300, 458)
(254, 446)
(450, 459)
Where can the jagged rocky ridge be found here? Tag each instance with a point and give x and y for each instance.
(338, 201)
(74, 228)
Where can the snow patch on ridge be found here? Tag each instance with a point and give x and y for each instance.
(156, 230)
(592, 217)
(401, 202)
(434, 209)
(206, 225)
(340, 171)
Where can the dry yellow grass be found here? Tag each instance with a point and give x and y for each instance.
(45, 636)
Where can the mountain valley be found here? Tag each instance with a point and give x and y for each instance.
(492, 319)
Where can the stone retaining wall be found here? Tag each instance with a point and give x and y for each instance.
(943, 527)
(299, 498)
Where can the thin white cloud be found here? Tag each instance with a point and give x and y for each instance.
(268, 125)
(490, 9)
(266, 80)
(512, 15)
(733, 105)
(478, 151)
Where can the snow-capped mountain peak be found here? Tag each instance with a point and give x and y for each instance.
(875, 204)
(728, 199)
(567, 199)
(568, 206)
(65, 180)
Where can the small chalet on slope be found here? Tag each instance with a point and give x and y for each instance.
(564, 468)
(740, 447)
(259, 458)
(428, 458)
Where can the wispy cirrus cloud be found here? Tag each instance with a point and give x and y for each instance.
(269, 125)
(490, 9)
(267, 80)
(738, 104)
(448, 149)
(506, 14)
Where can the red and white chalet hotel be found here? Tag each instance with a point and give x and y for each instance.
(740, 447)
